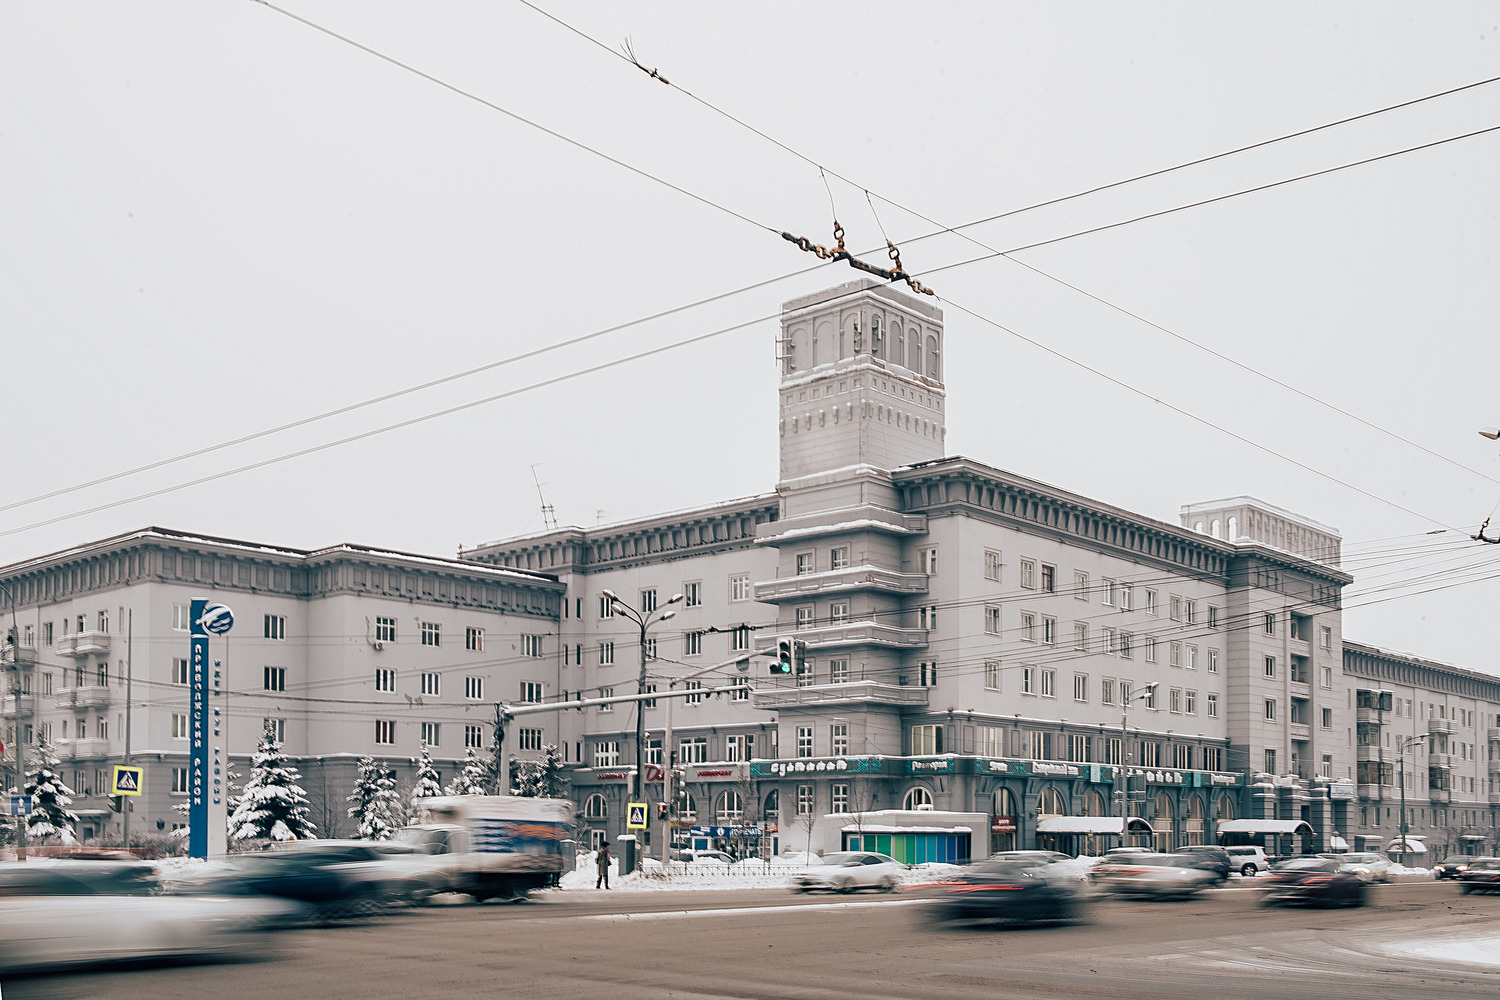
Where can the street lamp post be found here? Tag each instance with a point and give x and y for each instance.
(15, 653)
(1401, 763)
(644, 619)
(1122, 789)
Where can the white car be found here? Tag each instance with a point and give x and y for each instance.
(703, 857)
(850, 871)
(1248, 861)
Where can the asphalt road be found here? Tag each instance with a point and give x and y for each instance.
(734, 944)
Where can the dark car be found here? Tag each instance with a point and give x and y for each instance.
(1452, 867)
(79, 878)
(1164, 876)
(1214, 859)
(1483, 876)
(1314, 882)
(1010, 892)
(326, 882)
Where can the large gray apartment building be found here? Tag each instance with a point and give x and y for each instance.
(976, 643)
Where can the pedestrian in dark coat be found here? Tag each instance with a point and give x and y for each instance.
(601, 861)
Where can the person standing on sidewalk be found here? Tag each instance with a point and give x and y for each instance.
(601, 861)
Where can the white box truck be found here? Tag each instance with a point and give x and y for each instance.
(494, 846)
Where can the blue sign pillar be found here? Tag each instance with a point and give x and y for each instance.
(206, 792)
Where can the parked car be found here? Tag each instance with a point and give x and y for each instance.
(1314, 882)
(72, 877)
(850, 871)
(1215, 859)
(708, 857)
(1483, 876)
(1367, 864)
(1035, 857)
(1012, 891)
(1159, 875)
(1452, 867)
(1248, 860)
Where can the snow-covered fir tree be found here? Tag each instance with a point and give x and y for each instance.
(374, 803)
(231, 799)
(273, 805)
(470, 781)
(50, 816)
(534, 778)
(427, 784)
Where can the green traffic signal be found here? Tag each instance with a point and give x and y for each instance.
(783, 664)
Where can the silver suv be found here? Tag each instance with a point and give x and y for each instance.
(1248, 860)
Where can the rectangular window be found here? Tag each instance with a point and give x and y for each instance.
(1028, 574)
(179, 781)
(1080, 585)
(430, 683)
(927, 674)
(1124, 596)
(1182, 756)
(1150, 602)
(1213, 616)
(531, 692)
(1327, 718)
(1151, 690)
(1190, 611)
(648, 600)
(1080, 687)
(992, 675)
(1213, 705)
(606, 607)
(739, 587)
(838, 557)
(692, 699)
(1150, 754)
(739, 639)
(432, 735)
(1270, 666)
(1174, 608)
(606, 692)
(804, 673)
(838, 671)
(1174, 654)
(1028, 680)
(1270, 623)
(179, 726)
(274, 678)
(838, 612)
(991, 741)
(929, 561)
(531, 645)
(385, 630)
(1127, 644)
(738, 748)
(1078, 749)
(474, 641)
(1107, 691)
(991, 620)
(1049, 630)
(1107, 636)
(926, 741)
(385, 679)
(1049, 682)
(692, 594)
(606, 653)
(1270, 710)
(1049, 579)
(692, 644)
(1270, 761)
(1028, 626)
(1213, 758)
(1325, 636)
(840, 796)
(1190, 660)
(927, 617)
(275, 626)
(805, 616)
(838, 739)
(473, 737)
(992, 565)
(1106, 591)
(1112, 753)
(182, 618)
(1190, 702)
(1213, 661)
(179, 672)
(693, 750)
(276, 727)
(1150, 649)
(807, 563)
(1041, 746)
(804, 800)
(1081, 636)
(648, 703)
(740, 689)
(432, 634)
(607, 753)
(1325, 677)
(474, 688)
(47, 633)
(527, 739)
(1174, 701)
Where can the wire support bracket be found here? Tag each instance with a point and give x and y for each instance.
(897, 273)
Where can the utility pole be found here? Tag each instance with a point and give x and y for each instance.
(129, 675)
(15, 654)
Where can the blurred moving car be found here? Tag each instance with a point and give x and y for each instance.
(73, 877)
(710, 857)
(1164, 876)
(1371, 866)
(1452, 867)
(850, 871)
(1215, 859)
(328, 884)
(1483, 876)
(1037, 857)
(1013, 891)
(1248, 860)
(1314, 882)
(397, 871)
(45, 931)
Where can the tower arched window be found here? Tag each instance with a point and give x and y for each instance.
(916, 796)
(594, 807)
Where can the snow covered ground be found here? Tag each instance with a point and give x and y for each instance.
(749, 874)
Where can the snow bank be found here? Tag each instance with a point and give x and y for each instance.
(750, 873)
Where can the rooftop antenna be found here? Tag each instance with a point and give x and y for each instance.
(549, 516)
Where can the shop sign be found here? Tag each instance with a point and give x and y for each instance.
(1052, 769)
(809, 765)
(940, 765)
(1004, 824)
(724, 831)
(1341, 791)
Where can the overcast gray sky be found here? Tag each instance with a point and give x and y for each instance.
(219, 219)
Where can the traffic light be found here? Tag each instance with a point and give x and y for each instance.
(661, 810)
(799, 655)
(784, 655)
(116, 801)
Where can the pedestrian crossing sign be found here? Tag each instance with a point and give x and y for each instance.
(635, 815)
(127, 781)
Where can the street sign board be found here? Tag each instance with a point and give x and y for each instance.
(635, 817)
(20, 805)
(127, 780)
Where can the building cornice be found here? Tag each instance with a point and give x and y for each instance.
(1402, 668)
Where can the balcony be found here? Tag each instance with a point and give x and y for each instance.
(1373, 791)
(855, 633)
(1440, 760)
(1299, 689)
(1494, 735)
(1299, 647)
(1495, 765)
(1439, 726)
(8, 705)
(1299, 730)
(837, 581)
(864, 692)
(1494, 798)
(867, 517)
(8, 654)
(1369, 751)
(92, 696)
(86, 749)
(1370, 715)
(83, 643)
(1440, 794)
